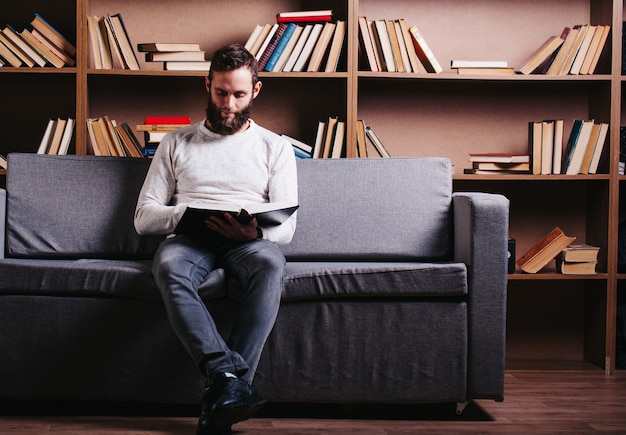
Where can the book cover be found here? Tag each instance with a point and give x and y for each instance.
(544, 251)
(599, 146)
(297, 49)
(321, 47)
(424, 53)
(307, 50)
(576, 152)
(267, 214)
(52, 34)
(540, 55)
(366, 45)
(335, 47)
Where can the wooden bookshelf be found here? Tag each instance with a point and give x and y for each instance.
(416, 114)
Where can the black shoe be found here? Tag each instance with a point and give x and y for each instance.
(226, 402)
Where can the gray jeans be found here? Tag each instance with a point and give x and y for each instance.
(182, 263)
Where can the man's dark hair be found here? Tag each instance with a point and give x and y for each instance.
(232, 57)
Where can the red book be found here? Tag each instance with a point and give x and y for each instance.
(306, 19)
(167, 120)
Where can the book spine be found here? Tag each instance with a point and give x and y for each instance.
(304, 19)
(154, 120)
(280, 47)
(541, 245)
(271, 46)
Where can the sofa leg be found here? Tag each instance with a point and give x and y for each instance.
(460, 407)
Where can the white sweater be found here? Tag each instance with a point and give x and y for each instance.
(195, 164)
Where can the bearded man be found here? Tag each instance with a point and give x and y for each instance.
(225, 158)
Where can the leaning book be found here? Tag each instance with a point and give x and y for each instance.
(544, 251)
(267, 214)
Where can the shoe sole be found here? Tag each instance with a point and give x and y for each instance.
(225, 417)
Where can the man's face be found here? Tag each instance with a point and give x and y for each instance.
(230, 100)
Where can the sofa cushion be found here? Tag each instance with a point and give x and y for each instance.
(75, 206)
(95, 277)
(323, 280)
(373, 209)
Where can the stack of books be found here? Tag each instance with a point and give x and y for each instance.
(578, 259)
(107, 138)
(482, 67)
(57, 136)
(301, 41)
(39, 46)
(394, 46)
(110, 45)
(577, 50)
(499, 163)
(154, 128)
(176, 56)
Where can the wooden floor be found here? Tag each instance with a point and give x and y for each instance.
(544, 402)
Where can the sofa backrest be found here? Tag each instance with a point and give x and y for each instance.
(75, 206)
(362, 209)
(373, 209)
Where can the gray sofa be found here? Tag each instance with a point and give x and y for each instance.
(395, 289)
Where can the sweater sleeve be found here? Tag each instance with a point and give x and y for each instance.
(283, 186)
(154, 214)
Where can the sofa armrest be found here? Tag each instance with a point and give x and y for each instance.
(481, 225)
(3, 220)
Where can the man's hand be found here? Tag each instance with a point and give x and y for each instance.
(231, 228)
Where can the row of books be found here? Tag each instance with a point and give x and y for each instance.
(107, 138)
(39, 46)
(394, 46)
(304, 41)
(577, 50)
(176, 56)
(110, 46)
(57, 136)
(330, 142)
(556, 245)
(547, 153)
(582, 151)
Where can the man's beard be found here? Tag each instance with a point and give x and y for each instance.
(226, 125)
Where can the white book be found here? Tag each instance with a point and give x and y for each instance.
(67, 137)
(385, 45)
(307, 50)
(45, 140)
(338, 141)
(321, 47)
(547, 147)
(268, 38)
(298, 48)
(253, 36)
(557, 154)
(282, 60)
(260, 39)
(403, 49)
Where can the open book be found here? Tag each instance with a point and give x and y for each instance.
(267, 214)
